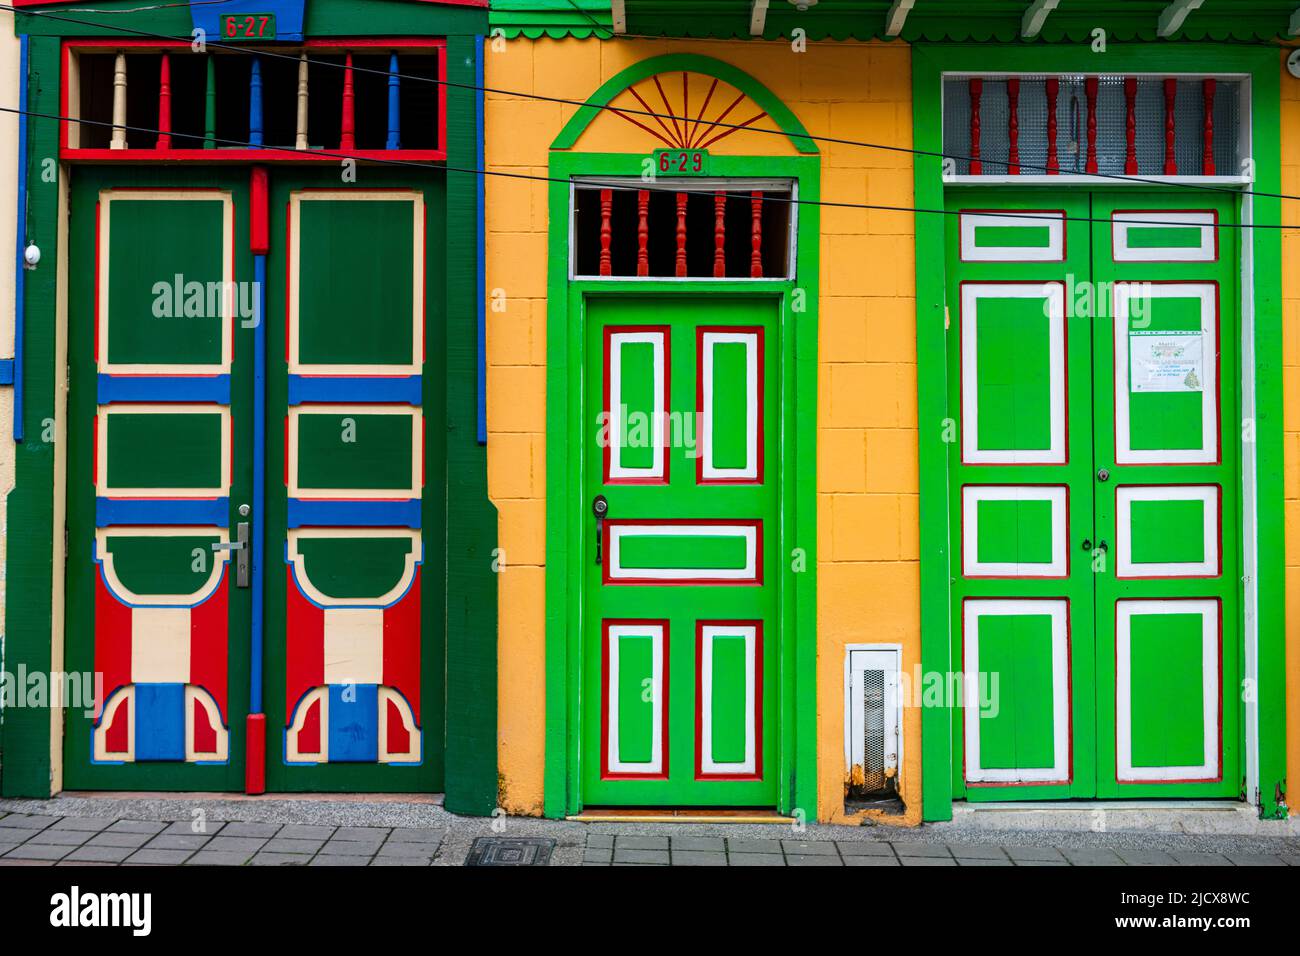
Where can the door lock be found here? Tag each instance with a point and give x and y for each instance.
(240, 547)
(600, 508)
(1103, 475)
(1087, 544)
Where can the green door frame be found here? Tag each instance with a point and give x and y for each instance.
(566, 510)
(34, 597)
(1262, 309)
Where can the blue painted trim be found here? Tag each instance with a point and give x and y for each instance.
(354, 514)
(394, 105)
(289, 16)
(323, 388)
(164, 388)
(168, 511)
(481, 252)
(257, 625)
(255, 104)
(6, 371)
(20, 278)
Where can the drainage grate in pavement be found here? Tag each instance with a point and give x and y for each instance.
(510, 851)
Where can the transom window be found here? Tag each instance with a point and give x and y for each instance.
(142, 100)
(707, 229)
(1148, 125)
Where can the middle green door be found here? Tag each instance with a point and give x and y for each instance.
(679, 560)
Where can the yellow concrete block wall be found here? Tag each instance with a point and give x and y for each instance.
(1291, 410)
(868, 569)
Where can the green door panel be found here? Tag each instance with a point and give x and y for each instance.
(1021, 498)
(1170, 507)
(154, 479)
(680, 678)
(355, 531)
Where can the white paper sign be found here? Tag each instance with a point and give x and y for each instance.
(1166, 361)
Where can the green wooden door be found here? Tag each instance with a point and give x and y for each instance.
(1021, 499)
(680, 673)
(1167, 438)
(354, 571)
(1094, 546)
(158, 463)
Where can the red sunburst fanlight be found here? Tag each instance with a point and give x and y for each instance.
(677, 124)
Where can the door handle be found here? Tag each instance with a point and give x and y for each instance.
(600, 508)
(240, 547)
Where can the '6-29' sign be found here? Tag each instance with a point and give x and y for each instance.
(681, 162)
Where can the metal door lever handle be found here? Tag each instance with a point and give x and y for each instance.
(241, 549)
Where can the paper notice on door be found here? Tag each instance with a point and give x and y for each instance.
(1166, 361)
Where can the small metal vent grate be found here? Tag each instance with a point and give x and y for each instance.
(873, 731)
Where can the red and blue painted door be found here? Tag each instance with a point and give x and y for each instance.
(163, 309)
(1095, 460)
(158, 465)
(680, 514)
(354, 677)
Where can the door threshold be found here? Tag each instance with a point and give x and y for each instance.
(672, 815)
(432, 799)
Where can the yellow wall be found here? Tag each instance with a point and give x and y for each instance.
(1291, 412)
(868, 571)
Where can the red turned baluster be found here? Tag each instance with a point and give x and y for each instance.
(1053, 90)
(976, 86)
(756, 235)
(720, 235)
(1090, 88)
(681, 235)
(349, 137)
(1171, 93)
(165, 103)
(1130, 126)
(1013, 126)
(642, 232)
(606, 211)
(1207, 154)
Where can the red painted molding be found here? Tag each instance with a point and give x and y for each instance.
(259, 223)
(255, 764)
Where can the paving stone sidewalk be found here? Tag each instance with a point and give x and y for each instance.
(109, 831)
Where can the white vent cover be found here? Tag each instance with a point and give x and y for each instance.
(873, 714)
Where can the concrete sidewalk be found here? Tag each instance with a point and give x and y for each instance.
(370, 831)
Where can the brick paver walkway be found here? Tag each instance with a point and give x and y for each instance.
(604, 850)
(28, 839)
(110, 833)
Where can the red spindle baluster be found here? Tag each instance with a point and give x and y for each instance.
(1053, 90)
(720, 235)
(756, 235)
(681, 234)
(976, 86)
(165, 103)
(349, 137)
(1171, 93)
(1090, 88)
(1130, 126)
(606, 212)
(642, 232)
(1013, 126)
(1207, 154)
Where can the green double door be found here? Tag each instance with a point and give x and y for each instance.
(680, 665)
(1094, 481)
(335, 633)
